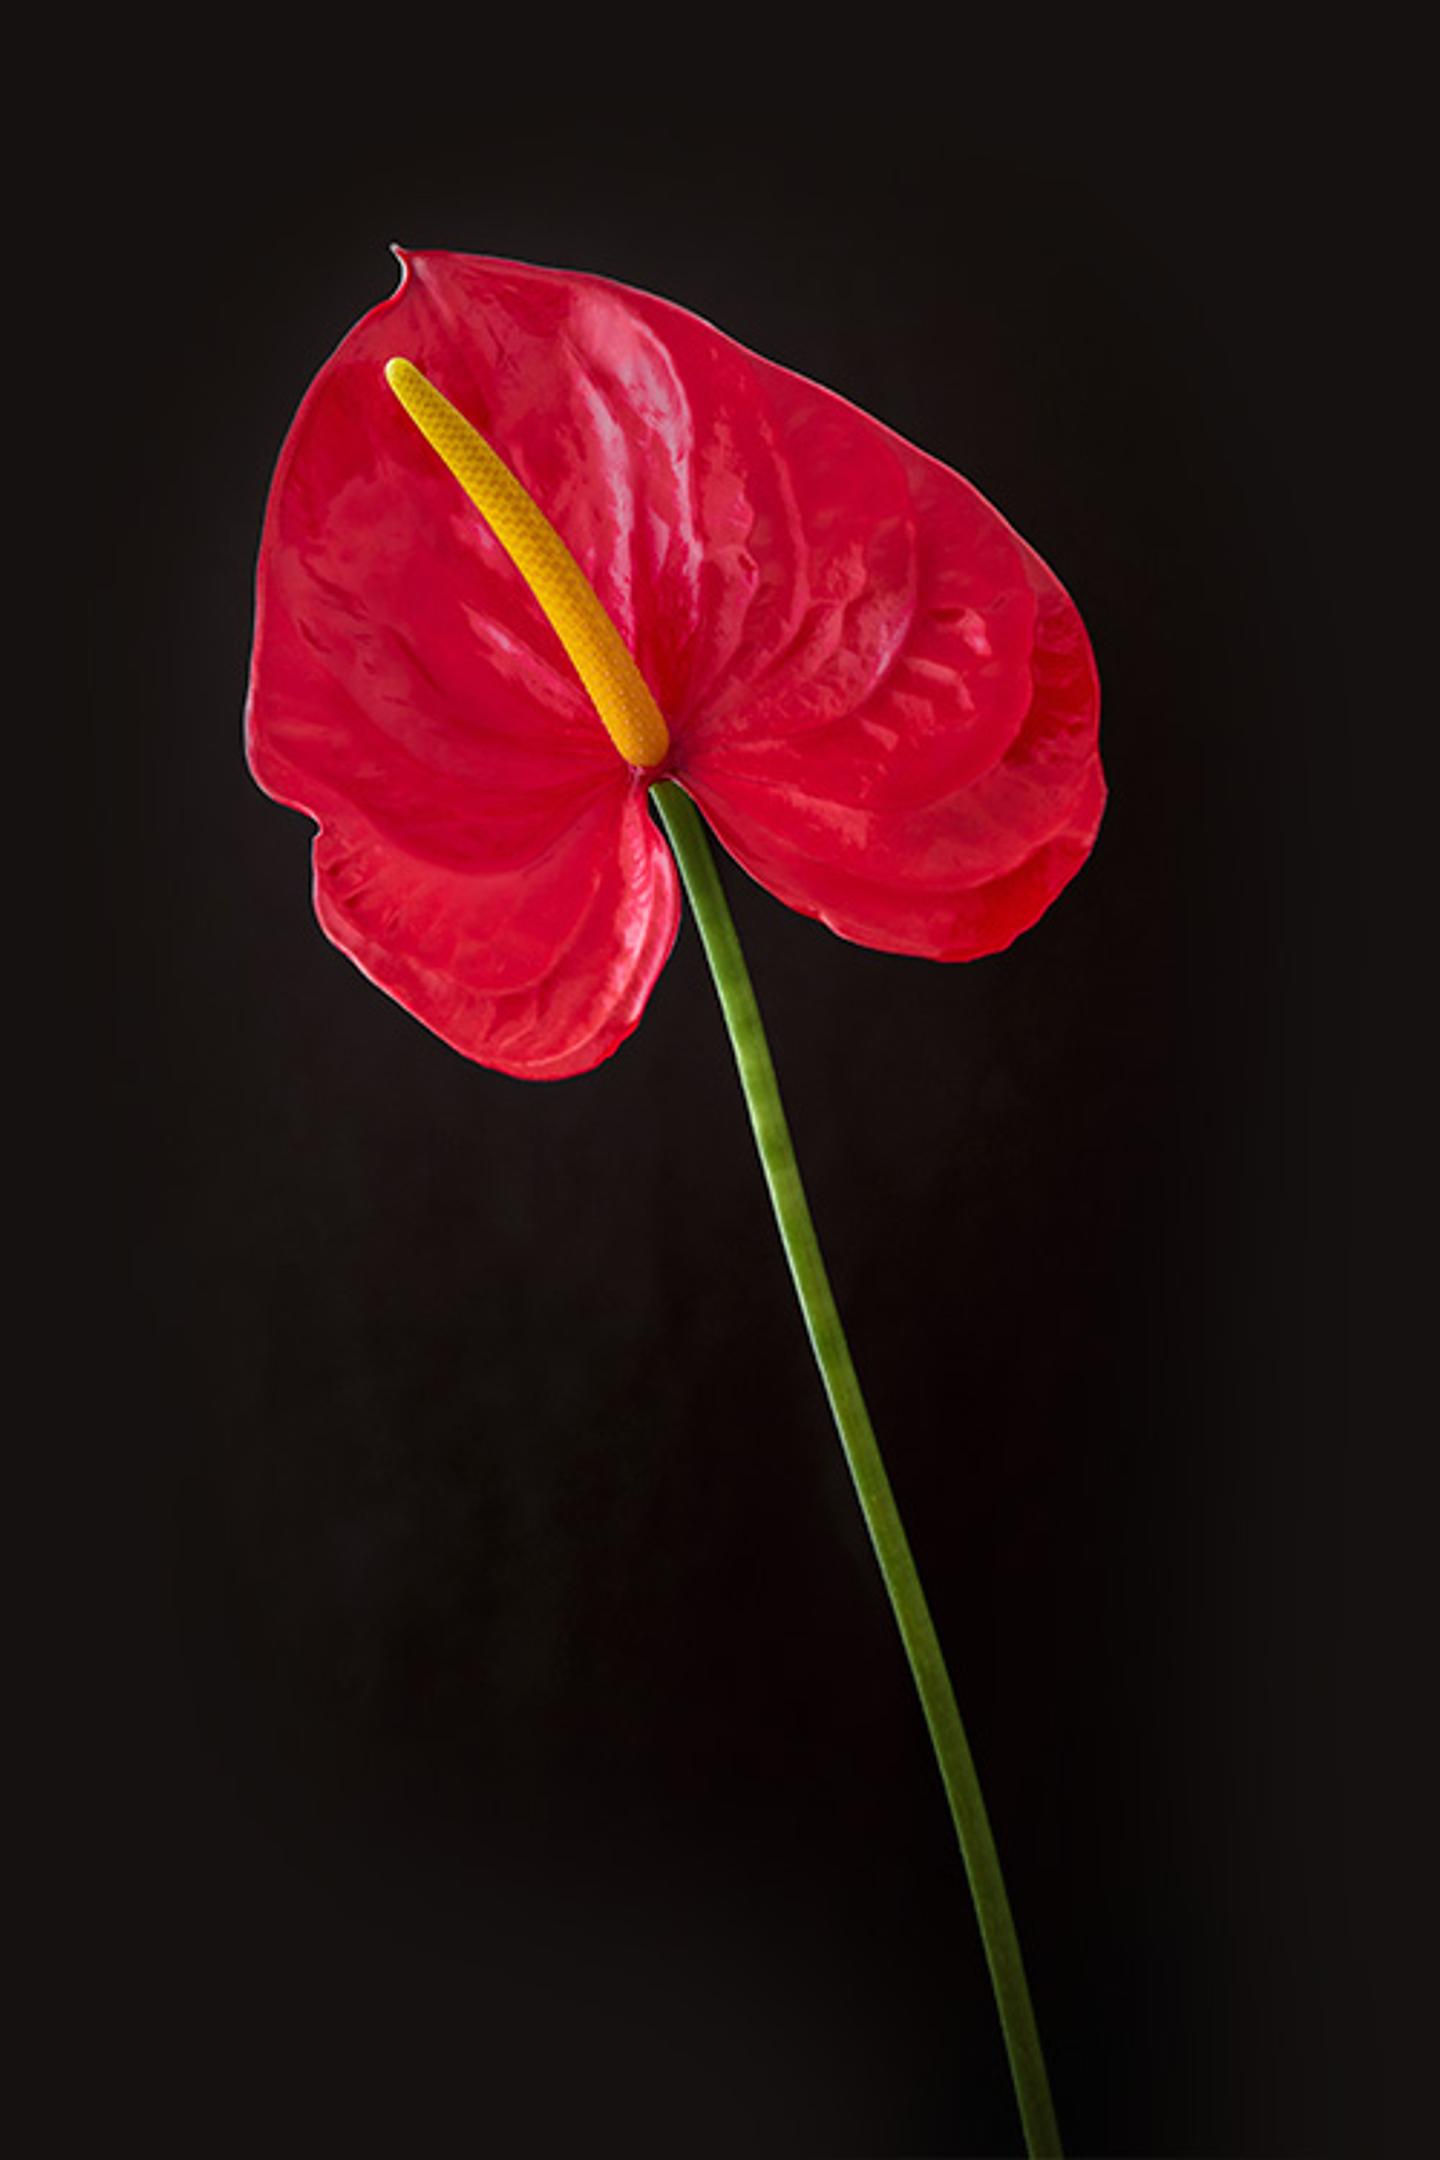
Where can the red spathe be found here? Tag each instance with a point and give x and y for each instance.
(882, 700)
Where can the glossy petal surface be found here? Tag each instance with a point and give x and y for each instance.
(483, 853)
(881, 698)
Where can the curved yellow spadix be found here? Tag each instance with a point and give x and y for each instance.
(596, 651)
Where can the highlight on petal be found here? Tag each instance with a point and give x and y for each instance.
(917, 766)
(540, 972)
(872, 836)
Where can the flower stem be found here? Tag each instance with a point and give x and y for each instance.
(692, 849)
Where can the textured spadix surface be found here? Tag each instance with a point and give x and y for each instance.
(882, 700)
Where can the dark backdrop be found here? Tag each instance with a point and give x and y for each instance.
(501, 1742)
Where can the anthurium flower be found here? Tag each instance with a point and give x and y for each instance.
(882, 701)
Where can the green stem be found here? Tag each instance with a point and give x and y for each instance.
(832, 1354)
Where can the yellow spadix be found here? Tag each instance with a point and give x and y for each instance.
(616, 687)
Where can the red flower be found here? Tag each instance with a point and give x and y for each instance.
(879, 696)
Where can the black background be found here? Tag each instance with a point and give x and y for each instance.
(499, 1739)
